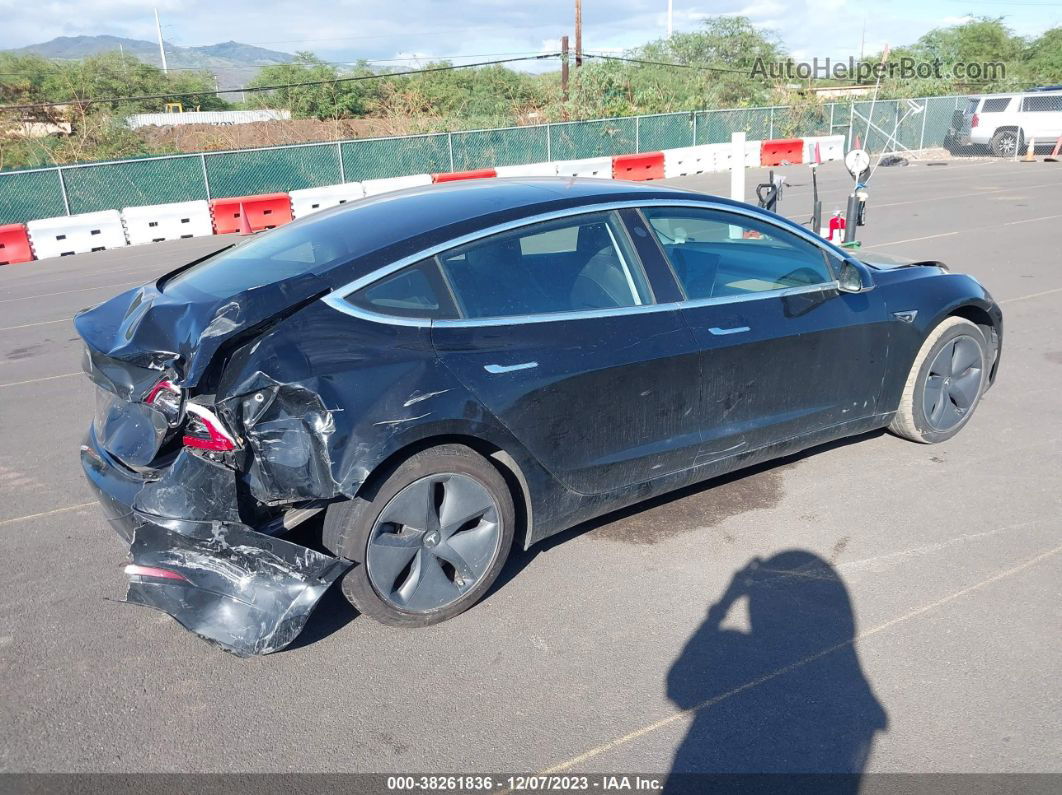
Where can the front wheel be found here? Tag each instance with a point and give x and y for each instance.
(945, 384)
(430, 538)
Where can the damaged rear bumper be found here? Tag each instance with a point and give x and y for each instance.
(241, 589)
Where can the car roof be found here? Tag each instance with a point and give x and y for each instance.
(394, 225)
(1011, 94)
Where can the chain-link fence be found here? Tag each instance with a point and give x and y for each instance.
(881, 125)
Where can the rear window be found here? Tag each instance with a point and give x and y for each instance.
(284, 253)
(995, 105)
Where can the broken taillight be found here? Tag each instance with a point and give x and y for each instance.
(135, 570)
(204, 431)
(166, 398)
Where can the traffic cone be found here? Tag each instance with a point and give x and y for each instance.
(1053, 157)
(1030, 153)
(858, 143)
(245, 225)
(818, 154)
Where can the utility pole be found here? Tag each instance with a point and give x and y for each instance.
(670, 12)
(162, 50)
(564, 67)
(578, 33)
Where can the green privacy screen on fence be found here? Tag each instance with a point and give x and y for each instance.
(46, 193)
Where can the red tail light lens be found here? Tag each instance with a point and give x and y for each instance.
(133, 570)
(166, 397)
(204, 431)
(975, 121)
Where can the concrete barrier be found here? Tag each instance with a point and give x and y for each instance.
(782, 151)
(14, 244)
(76, 234)
(686, 161)
(312, 200)
(647, 165)
(589, 167)
(454, 176)
(375, 187)
(529, 170)
(831, 147)
(157, 222)
(264, 211)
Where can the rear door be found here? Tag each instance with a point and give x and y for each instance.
(783, 352)
(562, 339)
(1042, 116)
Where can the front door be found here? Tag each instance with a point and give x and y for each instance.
(561, 340)
(784, 353)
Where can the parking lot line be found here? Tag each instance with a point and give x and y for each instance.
(37, 380)
(1031, 295)
(1031, 220)
(708, 703)
(910, 240)
(27, 517)
(42, 323)
(67, 292)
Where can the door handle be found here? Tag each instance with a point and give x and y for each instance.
(719, 332)
(495, 369)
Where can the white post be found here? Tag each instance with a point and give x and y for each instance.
(737, 166)
(162, 49)
(670, 14)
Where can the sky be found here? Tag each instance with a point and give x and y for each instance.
(407, 32)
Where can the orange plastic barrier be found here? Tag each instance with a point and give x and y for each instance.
(263, 212)
(479, 173)
(14, 244)
(782, 150)
(648, 165)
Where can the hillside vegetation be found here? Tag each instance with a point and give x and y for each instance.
(708, 68)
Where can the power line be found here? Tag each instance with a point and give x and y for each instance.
(253, 89)
(665, 63)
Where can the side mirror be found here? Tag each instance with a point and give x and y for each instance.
(853, 279)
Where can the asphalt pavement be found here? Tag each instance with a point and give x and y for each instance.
(941, 650)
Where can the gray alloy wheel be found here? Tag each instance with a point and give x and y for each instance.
(1005, 143)
(953, 383)
(430, 534)
(945, 383)
(433, 542)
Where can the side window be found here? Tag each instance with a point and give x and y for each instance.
(573, 264)
(1038, 103)
(416, 291)
(995, 105)
(716, 254)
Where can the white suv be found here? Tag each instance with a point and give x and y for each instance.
(1004, 122)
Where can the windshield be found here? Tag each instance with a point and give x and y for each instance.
(295, 250)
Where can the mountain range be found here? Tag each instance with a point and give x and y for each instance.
(233, 63)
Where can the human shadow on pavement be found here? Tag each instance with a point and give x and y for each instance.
(785, 694)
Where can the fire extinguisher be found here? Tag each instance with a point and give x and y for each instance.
(837, 225)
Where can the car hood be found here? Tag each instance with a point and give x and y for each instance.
(883, 262)
(146, 329)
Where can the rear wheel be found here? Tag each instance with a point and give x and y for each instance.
(430, 539)
(945, 384)
(1005, 143)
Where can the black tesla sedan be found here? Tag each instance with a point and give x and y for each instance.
(447, 370)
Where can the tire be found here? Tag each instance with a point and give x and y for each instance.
(1005, 143)
(953, 396)
(403, 534)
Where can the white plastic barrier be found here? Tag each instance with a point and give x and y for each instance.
(688, 160)
(831, 147)
(590, 167)
(158, 222)
(76, 234)
(376, 186)
(311, 200)
(529, 170)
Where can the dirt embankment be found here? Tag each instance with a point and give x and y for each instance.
(210, 137)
